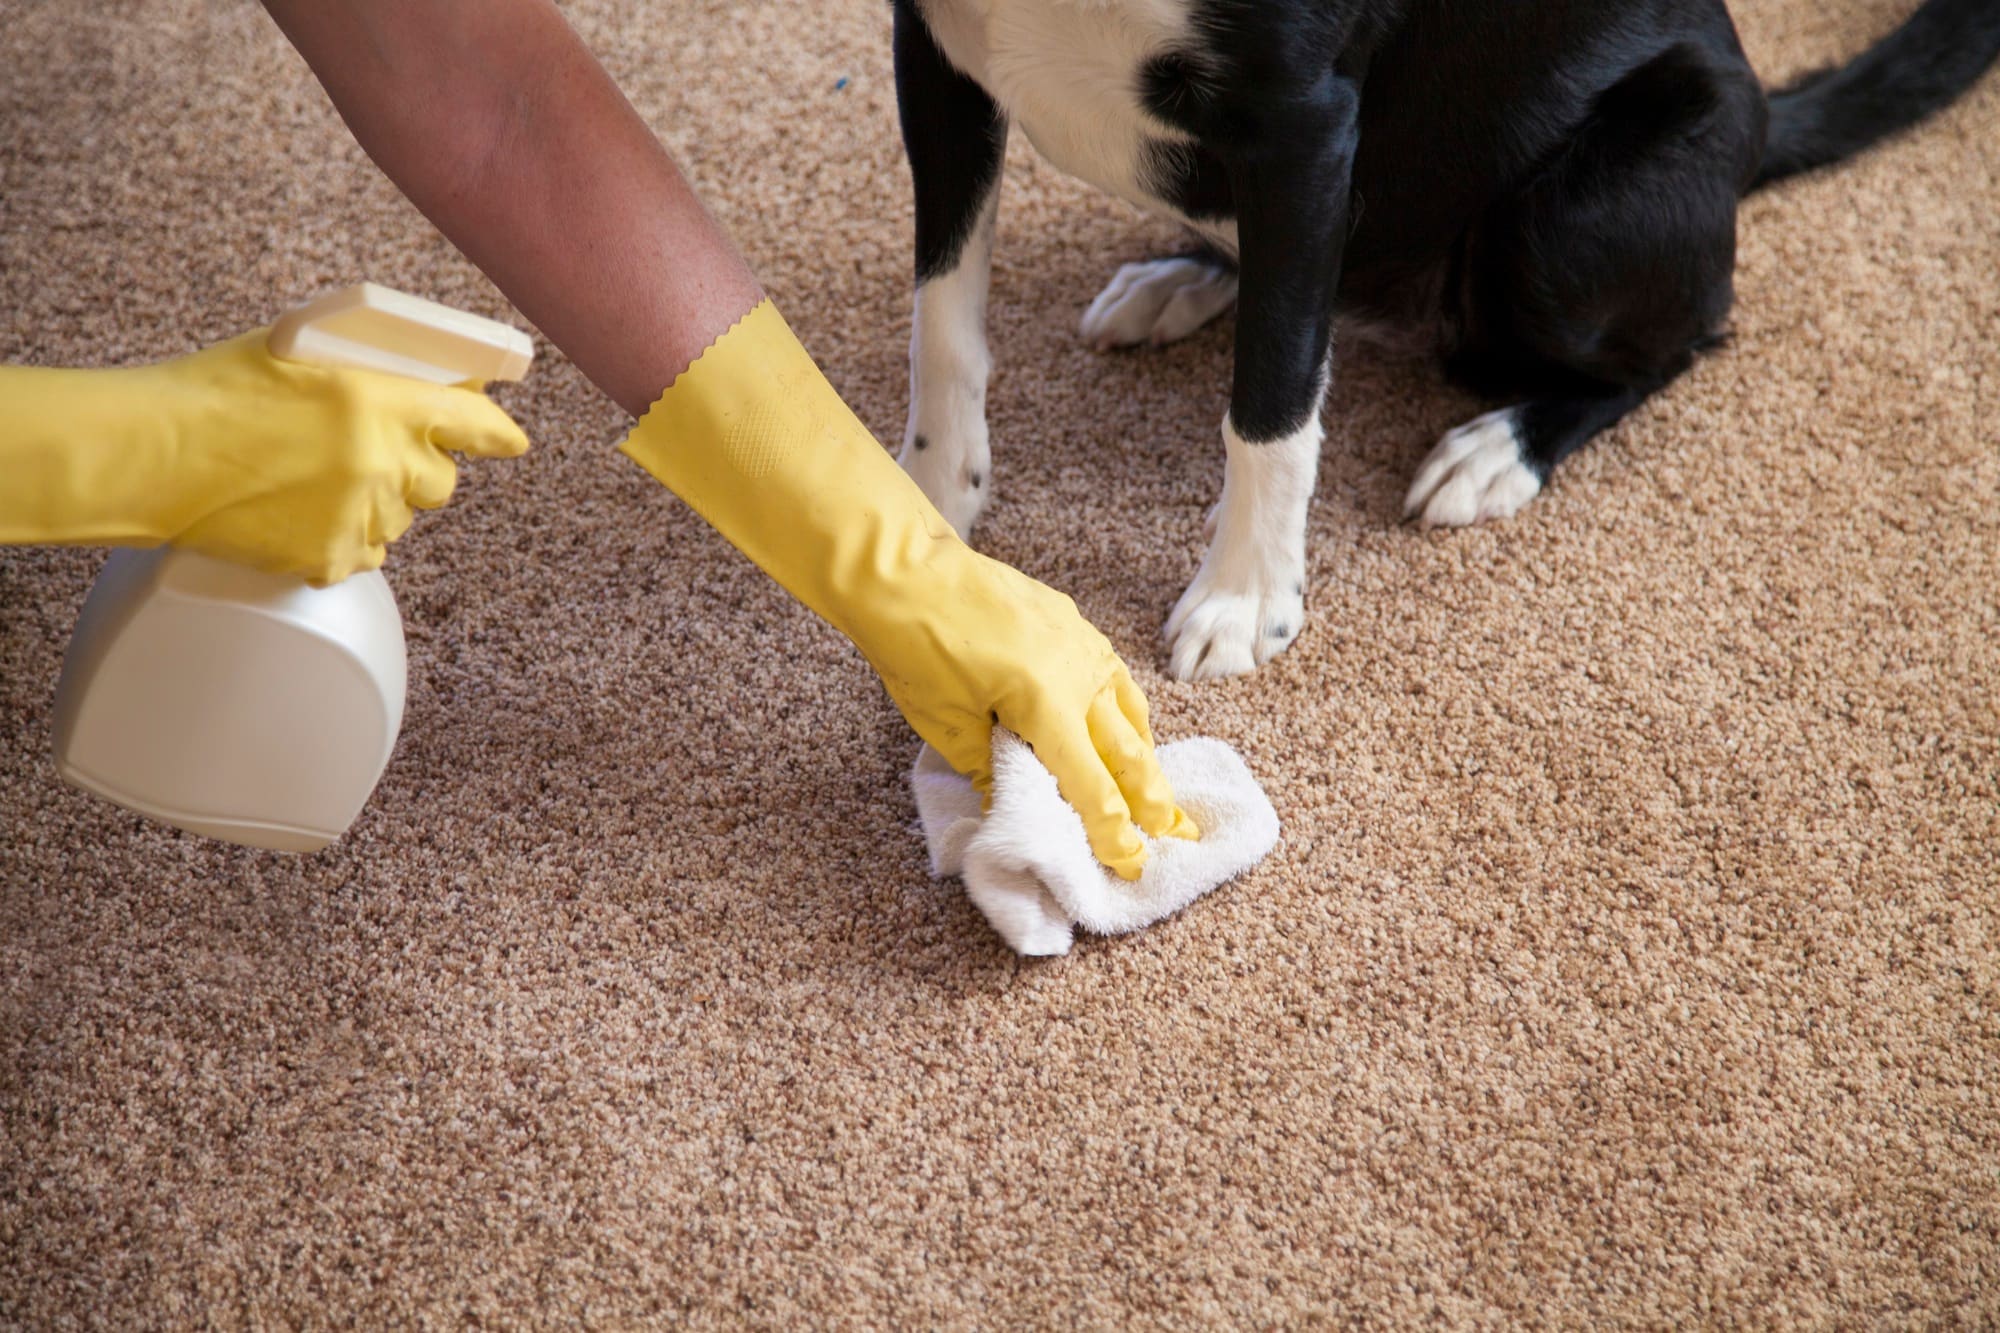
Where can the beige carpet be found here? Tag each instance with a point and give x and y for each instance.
(1628, 959)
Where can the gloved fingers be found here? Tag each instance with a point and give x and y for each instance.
(319, 539)
(391, 521)
(466, 421)
(355, 537)
(432, 477)
(345, 561)
(1068, 751)
(969, 751)
(249, 348)
(1136, 769)
(1132, 702)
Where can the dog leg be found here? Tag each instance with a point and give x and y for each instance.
(1489, 468)
(955, 137)
(1598, 282)
(945, 444)
(1158, 302)
(1247, 602)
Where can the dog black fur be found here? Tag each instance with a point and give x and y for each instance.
(1548, 189)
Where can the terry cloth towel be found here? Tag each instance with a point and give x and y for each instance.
(1027, 864)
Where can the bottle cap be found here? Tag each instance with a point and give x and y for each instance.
(370, 327)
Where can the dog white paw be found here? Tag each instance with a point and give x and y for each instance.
(1477, 472)
(956, 478)
(1219, 630)
(1158, 302)
(1248, 600)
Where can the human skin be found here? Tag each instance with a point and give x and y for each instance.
(496, 121)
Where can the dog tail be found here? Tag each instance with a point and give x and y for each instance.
(1916, 70)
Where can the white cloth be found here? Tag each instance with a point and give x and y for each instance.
(1027, 864)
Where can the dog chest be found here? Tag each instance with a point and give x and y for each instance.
(1067, 74)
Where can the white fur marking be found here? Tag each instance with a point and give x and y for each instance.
(1064, 71)
(1247, 602)
(1158, 302)
(949, 366)
(1476, 473)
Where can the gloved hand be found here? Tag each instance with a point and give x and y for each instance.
(754, 438)
(295, 469)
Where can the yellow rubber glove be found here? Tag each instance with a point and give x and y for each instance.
(295, 469)
(754, 438)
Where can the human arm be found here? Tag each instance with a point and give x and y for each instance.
(499, 125)
(291, 468)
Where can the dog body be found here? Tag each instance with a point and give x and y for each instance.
(1547, 191)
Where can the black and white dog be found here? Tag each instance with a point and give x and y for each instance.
(1546, 188)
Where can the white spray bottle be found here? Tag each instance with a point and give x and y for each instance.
(248, 706)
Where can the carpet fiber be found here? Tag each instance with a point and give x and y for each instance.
(1628, 957)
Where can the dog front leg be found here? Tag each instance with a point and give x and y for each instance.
(1247, 602)
(956, 138)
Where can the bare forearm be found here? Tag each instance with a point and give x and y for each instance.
(497, 122)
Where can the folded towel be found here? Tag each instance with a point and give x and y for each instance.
(1027, 864)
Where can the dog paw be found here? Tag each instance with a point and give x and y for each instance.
(1247, 602)
(1219, 630)
(1157, 302)
(1477, 472)
(958, 480)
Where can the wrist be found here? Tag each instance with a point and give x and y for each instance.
(757, 441)
(84, 457)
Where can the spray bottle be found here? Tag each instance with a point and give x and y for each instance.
(248, 706)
